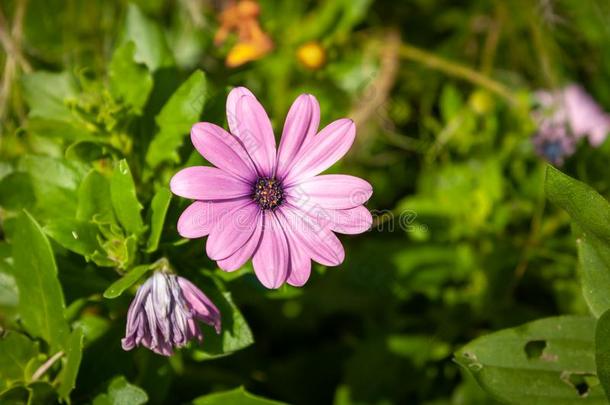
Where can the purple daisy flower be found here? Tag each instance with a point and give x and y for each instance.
(164, 314)
(272, 206)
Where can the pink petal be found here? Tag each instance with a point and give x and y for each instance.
(232, 231)
(325, 149)
(301, 125)
(249, 122)
(272, 258)
(232, 99)
(314, 235)
(208, 183)
(198, 218)
(334, 191)
(223, 150)
(254, 131)
(300, 262)
(351, 221)
(244, 253)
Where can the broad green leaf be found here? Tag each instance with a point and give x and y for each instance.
(546, 361)
(52, 128)
(235, 335)
(69, 371)
(35, 393)
(54, 182)
(121, 392)
(16, 395)
(54, 171)
(9, 297)
(151, 46)
(77, 236)
(17, 191)
(124, 200)
(130, 82)
(46, 92)
(594, 270)
(8, 289)
(94, 202)
(16, 352)
(237, 396)
(89, 149)
(158, 209)
(590, 213)
(41, 303)
(176, 118)
(602, 351)
(129, 279)
(587, 208)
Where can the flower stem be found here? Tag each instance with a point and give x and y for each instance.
(454, 69)
(46, 365)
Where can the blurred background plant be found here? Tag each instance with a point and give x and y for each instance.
(97, 99)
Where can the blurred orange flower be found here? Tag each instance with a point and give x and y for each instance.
(252, 42)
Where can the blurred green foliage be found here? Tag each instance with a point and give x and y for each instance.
(96, 102)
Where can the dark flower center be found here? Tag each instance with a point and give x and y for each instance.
(268, 193)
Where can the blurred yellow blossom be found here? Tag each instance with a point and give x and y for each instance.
(311, 55)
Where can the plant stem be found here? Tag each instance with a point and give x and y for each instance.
(46, 365)
(454, 69)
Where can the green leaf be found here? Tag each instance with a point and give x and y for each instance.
(16, 353)
(587, 208)
(94, 202)
(124, 200)
(8, 288)
(590, 212)
(69, 371)
(176, 118)
(158, 209)
(41, 303)
(57, 172)
(237, 396)
(121, 392)
(129, 279)
(46, 92)
(130, 82)
(546, 361)
(602, 351)
(151, 46)
(52, 128)
(17, 191)
(594, 270)
(235, 335)
(55, 182)
(36, 393)
(77, 236)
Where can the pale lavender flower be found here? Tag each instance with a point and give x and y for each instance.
(565, 116)
(164, 314)
(585, 117)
